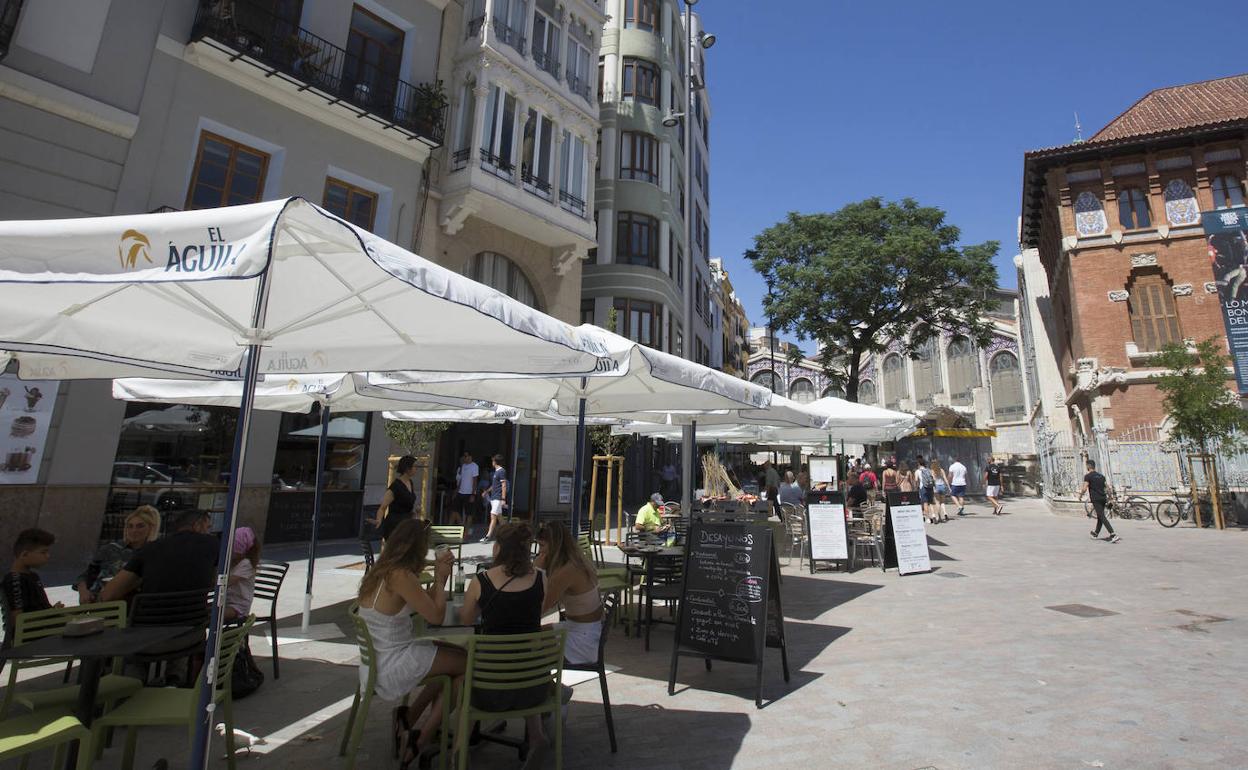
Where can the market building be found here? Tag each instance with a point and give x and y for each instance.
(158, 106)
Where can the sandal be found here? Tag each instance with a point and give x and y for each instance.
(409, 751)
(399, 727)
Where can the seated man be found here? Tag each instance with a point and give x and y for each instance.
(790, 492)
(182, 561)
(856, 494)
(648, 518)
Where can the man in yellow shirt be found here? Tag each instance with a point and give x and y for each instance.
(648, 518)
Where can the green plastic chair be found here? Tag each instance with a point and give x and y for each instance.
(23, 735)
(40, 624)
(161, 706)
(611, 580)
(353, 732)
(452, 535)
(508, 662)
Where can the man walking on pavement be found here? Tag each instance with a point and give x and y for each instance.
(466, 489)
(1094, 488)
(497, 494)
(992, 485)
(957, 485)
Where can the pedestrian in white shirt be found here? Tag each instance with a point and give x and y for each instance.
(466, 490)
(957, 485)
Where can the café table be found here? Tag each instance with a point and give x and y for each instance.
(646, 553)
(93, 650)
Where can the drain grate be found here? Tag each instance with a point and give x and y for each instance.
(942, 573)
(1081, 610)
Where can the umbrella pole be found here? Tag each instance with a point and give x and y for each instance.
(578, 473)
(317, 497)
(206, 709)
(515, 472)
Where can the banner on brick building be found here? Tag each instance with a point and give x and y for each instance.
(1226, 232)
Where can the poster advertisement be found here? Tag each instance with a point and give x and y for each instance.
(25, 415)
(565, 487)
(1226, 231)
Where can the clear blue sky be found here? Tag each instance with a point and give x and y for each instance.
(819, 103)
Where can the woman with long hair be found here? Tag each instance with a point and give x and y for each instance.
(573, 582)
(141, 527)
(889, 480)
(509, 597)
(389, 592)
(942, 489)
(905, 477)
(399, 501)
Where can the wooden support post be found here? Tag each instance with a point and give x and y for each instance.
(607, 501)
(1191, 468)
(593, 492)
(1219, 518)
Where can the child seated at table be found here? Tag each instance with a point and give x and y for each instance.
(21, 589)
(242, 585)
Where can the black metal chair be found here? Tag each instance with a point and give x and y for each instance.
(269, 580)
(366, 549)
(174, 608)
(609, 603)
(665, 577)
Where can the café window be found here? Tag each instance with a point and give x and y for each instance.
(295, 473)
(226, 173)
(175, 458)
(354, 204)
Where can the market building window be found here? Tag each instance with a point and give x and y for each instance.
(866, 392)
(354, 204)
(835, 391)
(927, 379)
(640, 321)
(963, 371)
(641, 81)
(802, 391)
(1133, 209)
(1007, 387)
(1228, 191)
(770, 380)
(895, 386)
(639, 157)
(499, 272)
(1150, 303)
(226, 173)
(637, 239)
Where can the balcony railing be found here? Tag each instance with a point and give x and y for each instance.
(510, 36)
(547, 63)
(248, 30)
(497, 165)
(570, 202)
(578, 86)
(474, 27)
(9, 10)
(534, 184)
(460, 159)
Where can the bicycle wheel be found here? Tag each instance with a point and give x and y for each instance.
(1168, 514)
(1138, 509)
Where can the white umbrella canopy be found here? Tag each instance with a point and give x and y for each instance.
(499, 414)
(288, 393)
(632, 379)
(186, 292)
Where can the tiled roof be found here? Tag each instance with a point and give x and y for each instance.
(1178, 107)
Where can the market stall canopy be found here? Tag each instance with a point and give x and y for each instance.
(286, 393)
(635, 379)
(186, 292)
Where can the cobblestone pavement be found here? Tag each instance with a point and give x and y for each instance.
(970, 666)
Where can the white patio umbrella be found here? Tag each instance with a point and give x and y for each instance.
(334, 393)
(281, 287)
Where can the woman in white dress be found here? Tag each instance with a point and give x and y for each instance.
(388, 593)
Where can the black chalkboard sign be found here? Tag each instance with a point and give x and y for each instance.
(730, 601)
(290, 516)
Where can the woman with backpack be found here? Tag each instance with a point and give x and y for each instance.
(926, 483)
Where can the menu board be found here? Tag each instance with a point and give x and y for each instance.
(730, 602)
(907, 536)
(290, 516)
(25, 415)
(825, 523)
(823, 469)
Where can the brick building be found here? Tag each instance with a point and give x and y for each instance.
(1117, 262)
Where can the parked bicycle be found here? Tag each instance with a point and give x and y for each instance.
(1171, 512)
(1126, 507)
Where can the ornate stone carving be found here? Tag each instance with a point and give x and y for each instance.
(1182, 289)
(567, 256)
(1211, 287)
(1090, 377)
(1143, 260)
(1119, 295)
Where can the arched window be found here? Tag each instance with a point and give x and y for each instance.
(927, 381)
(769, 379)
(1133, 209)
(835, 391)
(1150, 303)
(1089, 216)
(895, 387)
(867, 394)
(1181, 206)
(499, 272)
(1007, 387)
(963, 371)
(1228, 191)
(802, 390)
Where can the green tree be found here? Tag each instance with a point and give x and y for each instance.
(416, 438)
(1204, 413)
(854, 279)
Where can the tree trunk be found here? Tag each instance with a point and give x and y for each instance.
(851, 380)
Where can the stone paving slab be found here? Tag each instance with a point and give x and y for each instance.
(888, 672)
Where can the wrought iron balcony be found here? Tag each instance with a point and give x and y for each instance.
(534, 184)
(510, 36)
(248, 30)
(460, 159)
(578, 86)
(9, 10)
(497, 165)
(571, 203)
(547, 63)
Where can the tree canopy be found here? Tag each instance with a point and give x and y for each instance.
(1204, 413)
(855, 279)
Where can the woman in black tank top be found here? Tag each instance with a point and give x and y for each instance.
(399, 501)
